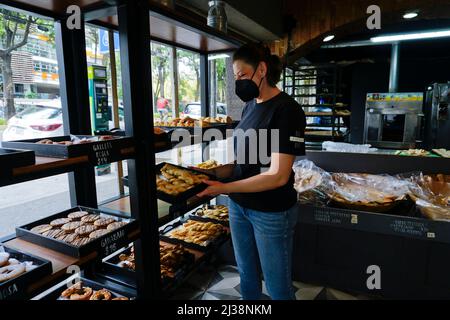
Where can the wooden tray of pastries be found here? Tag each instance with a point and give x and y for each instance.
(176, 184)
(214, 214)
(18, 271)
(80, 231)
(197, 235)
(176, 263)
(83, 289)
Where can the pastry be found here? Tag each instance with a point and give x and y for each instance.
(80, 241)
(69, 238)
(4, 257)
(209, 164)
(219, 212)
(41, 229)
(98, 233)
(13, 261)
(54, 233)
(71, 226)
(103, 222)
(120, 299)
(11, 272)
(57, 223)
(197, 232)
(45, 141)
(85, 230)
(90, 219)
(77, 292)
(178, 180)
(115, 225)
(102, 294)
(77, 215)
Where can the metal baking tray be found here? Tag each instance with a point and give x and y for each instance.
(210, 245)
(127, 277)
(13, 158)
(99, 152)
(54, 293)
(182, 197)
(104, 245)
(196, 217)
(17, 288)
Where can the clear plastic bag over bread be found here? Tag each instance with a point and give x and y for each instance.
(347, 147)
(311, 182)
(431, 194)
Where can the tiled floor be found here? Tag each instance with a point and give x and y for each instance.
(222, 283)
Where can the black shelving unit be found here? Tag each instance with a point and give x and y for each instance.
(317, 87)
(138, 22)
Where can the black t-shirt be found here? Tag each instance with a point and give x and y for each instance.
(274, 126)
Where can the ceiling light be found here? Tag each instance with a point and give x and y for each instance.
(412, 36)
(328, 38)
(410, 15)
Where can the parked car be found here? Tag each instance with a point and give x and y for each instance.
(193, 110)
(40, 120)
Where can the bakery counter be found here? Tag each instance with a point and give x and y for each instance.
(382, 162)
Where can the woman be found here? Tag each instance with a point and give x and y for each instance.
(262, 197)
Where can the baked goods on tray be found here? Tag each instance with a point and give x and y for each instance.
(414, 153)
(209, 164)
(200, 233)
(175, 180)
(218, 212)
(442, 152)
(79, 292)
(79, 227)
(75, 141)
(11, 268)
(432, 195)
(188, 122)
(376, 193)
(172, 259)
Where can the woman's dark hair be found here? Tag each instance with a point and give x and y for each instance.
(254, 53)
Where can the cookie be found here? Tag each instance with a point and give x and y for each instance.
(102, 294)
(11, 272)
(4, 257)
(68, 237)
(98, 233)
(85, 230)
(78, 242)
(41, 229)
(59, 222)
(115, 225)
(90, 219)
(54, 233)
(71, 226)
(104, 222)
(77, 215)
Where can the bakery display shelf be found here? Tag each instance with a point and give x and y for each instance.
(54, 293)
(330, 95)
(324, 105)
(13, 158)
(98, 152)
(326, 114)
(210, 245)
(102, 245)
(409, 225)
(44, 167)
(197, 217)
(18, 287)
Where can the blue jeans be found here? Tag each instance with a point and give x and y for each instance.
(262, 241)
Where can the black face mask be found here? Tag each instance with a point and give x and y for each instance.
(247, 89)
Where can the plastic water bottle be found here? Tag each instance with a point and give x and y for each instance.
(217, 16)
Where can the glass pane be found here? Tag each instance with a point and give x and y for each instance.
(218, 94)
(189, 84)
(30, 107)
(161, 80)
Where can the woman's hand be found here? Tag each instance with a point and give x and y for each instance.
(215, 188)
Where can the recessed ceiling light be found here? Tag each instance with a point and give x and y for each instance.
(328, 38)
(410, 15)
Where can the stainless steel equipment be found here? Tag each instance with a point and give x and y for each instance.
(437, 130)
(393, 120)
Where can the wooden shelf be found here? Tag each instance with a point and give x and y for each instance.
(60, 262)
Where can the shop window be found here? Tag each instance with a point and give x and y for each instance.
(218, 85)
(189, 90)
(34, 117)
(162, 84)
